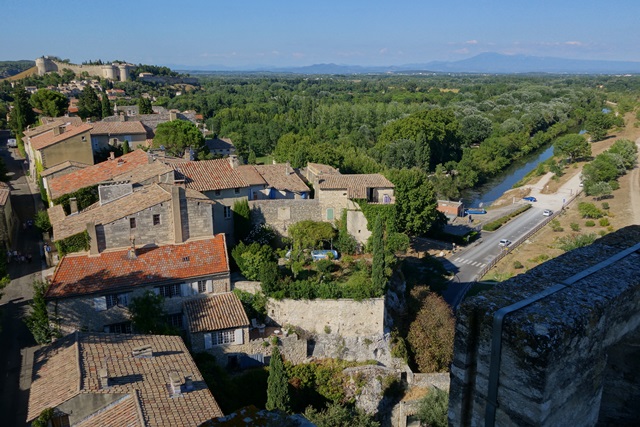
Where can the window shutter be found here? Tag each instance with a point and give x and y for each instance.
(107, 329)
(156, 291)
(239, 336)
(209, 286)
(207, 341)
(194, 288)
(100, 303)
(185, 289)
(123, 299)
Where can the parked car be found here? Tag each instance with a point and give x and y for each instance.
(12, 143)
(547, 212)
(504, 243)
(530, 199)
(317, 255)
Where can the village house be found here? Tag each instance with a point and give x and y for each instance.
(136, 167)
(105, 135)
(221, 146)
(61, 142)
(150, 215)
(91, 292)
(94, 379)
(8, 219)
(282, 182)
(61, 169)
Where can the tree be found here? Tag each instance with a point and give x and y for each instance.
(627, 150)
(252, 157)
(309, 234)
(38, 320)
(241, 219)
(600, 190)
(475, 128)
(252, 259)
(52, 104)
(148, 315)
(144, 106)
(378, 276)
(22, 114)
(572, 146)
(105, 106)
(433, 408)
(415, 200)
(431, 334)
(277, 384)
(89, 105)
(125, 147)
(177, 136)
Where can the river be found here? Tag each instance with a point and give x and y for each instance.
(495, 187)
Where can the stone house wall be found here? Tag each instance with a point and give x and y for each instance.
(76, 148)
(357, 226)
(101, 142)
(281, 214)
(8, 223)
(226, 198)
(346, 317)
(85, 313)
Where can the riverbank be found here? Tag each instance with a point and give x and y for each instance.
(623, 210)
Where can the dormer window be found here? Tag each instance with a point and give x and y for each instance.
(236, 190)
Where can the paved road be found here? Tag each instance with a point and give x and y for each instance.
(16, 343)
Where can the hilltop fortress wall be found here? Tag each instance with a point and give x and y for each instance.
(108, 71)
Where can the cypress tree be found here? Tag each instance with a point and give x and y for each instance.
(106, 106)
(125, 147)
(277, 384)
(377, 248)
(89, 104)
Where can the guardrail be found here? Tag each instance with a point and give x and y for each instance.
(514, 245)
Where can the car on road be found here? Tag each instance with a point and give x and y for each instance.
(547, 212)
(504, 243)
(530, 199)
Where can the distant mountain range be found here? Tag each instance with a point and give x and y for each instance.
(492, 63)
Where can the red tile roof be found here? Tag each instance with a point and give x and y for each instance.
(49, 123)
(84, 274)
(282, 177)
(356, 185)
(48, 138)
(250, 175)
(208, 175)
(62, 166)
(138, 393)
(118, 128)
(93, 175)
(5, 193)
(219, 311)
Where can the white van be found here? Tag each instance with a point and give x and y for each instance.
(12, 143)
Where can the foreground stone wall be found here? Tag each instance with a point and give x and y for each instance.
(564, 358)
(345, 317)
(281, 214)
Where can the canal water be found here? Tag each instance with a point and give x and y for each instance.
(495, 187)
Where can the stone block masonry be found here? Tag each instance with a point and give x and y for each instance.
(568, 357)
(281, 214)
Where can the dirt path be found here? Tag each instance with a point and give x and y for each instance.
(634, 191)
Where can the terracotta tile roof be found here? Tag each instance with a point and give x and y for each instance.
(220, 311)
(139, 385)
(208, 175)
(48, 138)
(50, 123)
(144, 172)
(251, 175)
(62, 166)
(95, 174)
(141, 199)
(220, 144)
(118, 128)
(356, 185)
(321, 169)
(282, 177)
(83, 274)
(5, 193)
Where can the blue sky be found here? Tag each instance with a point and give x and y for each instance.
(241, 33)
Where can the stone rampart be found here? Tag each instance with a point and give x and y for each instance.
(107, 71)
(568, 355)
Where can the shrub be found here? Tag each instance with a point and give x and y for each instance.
(569, 243)
(575, 226)
(555, 226)
(327, 329)
(432, 409)
(605, 206)
(518, 265)
(604, 222)
(589, 210)
(42, 221)
(494, 225)
(589, 223)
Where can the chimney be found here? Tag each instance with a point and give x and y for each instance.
(122, 117)
(233, 161)
(287, 169)
(120, 162)
(188, 383)
(143, 352)
(112, 155)
(73, 205)
(58, 130)
(131, 253)
(172, 116)
(93, 239)
(104, 378)
(177, 214)
(175, 384)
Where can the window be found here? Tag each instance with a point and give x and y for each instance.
(223, 337)
(84, 139)
(236, 190)
(132, 223)
(119, 328)
(329, 214)
(202, 286)
(156, 219)
(227, 212)
(117, 299)
(169, 291)
(175, 320)
(217, 192)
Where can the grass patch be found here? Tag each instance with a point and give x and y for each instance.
(264, 160)
(494, 225)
